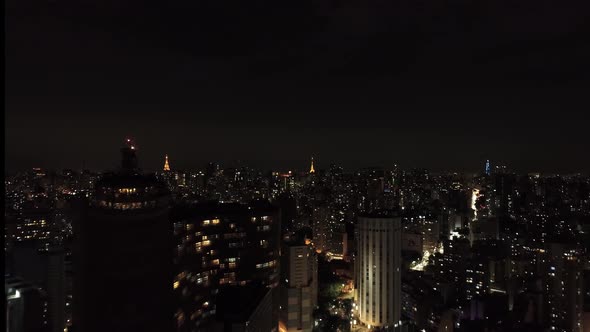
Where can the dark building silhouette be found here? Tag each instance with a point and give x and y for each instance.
(44, 268)
(26, 306)
(244, 309)
(123, 254)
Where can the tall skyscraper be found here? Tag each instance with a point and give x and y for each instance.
(123, 254)
(564, 288)
(45, 268)
(299, 286)
(26, 306)
(320, 224)
(488, 169)
(34, 223)
(377, 269)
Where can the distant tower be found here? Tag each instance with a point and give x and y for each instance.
(166, 164)
(488, 167)
(129, 158)
(311, 170)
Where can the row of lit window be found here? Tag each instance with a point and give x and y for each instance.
(234, 235)
(263, 218)
(125, 190)
(266, 265)
(40, 222)
(263, 228)
(127, 206)
(200, 245)
(211, 222)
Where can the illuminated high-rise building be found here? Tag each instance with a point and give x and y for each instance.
(299, 286)
(221, 245)
(488, 169)
(26, 306)
(34, 222)
(123, 254)
(44, 267)
(564, 288)
(377, 269)
(321, 228)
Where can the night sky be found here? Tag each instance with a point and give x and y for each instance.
(440, 84)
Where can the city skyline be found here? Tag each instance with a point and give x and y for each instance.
(182, 163)
(297, 166)
(313, 251)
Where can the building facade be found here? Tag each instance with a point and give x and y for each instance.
(123, 255)
(219, 245)
(378, 275)
(26, 306)
(299, 287)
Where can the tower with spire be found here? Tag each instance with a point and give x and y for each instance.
(311, 169)
(124, 203)
(166, 164)
(129, 158)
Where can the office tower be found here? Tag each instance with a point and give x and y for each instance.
(378, 276)
(477, 277)
(123, 255)
(504, 193)
(44, 267)
(288, 205)
(488, 169)
(564, 288)
(299, 286)
(26, 306)
(375, 189)
(321, 228)
(485, 229)
(56, 288)
(35, 221)
(586, 315)
(219, 245)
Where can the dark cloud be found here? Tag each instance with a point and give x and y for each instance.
(423, 83)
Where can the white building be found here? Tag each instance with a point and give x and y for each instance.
(377, 270)
(299, 290)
